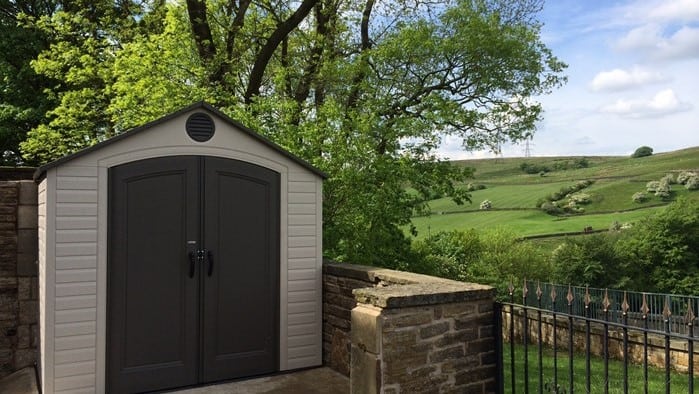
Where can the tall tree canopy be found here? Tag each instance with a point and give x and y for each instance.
(23, 101)
(364, 90)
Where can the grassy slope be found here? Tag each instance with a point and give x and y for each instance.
(616, 180)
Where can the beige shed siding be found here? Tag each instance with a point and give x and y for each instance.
(76, 278)
(304, 244)
(43, 317)
(75, 270)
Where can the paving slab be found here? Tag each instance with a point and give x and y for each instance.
(20, 382)
(311, 381)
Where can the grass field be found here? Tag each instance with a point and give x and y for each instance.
(656, 377)
(523, 223)
(514, 194)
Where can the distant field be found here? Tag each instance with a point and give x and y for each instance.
(616, 179)
(523, 223)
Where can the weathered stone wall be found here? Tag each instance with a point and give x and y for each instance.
(338, 303)
(18, 273)
(408, 333)
(656, 342)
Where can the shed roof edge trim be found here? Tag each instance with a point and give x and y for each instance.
(41, 171)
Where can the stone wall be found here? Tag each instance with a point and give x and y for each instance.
(408, 333)
(18, 272)
(656, 342)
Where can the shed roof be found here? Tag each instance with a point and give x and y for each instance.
(41, 171)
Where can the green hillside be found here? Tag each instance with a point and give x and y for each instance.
(514, 194)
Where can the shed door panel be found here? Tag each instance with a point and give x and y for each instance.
(241, 296)
(153, 330)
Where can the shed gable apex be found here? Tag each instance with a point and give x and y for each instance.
(201, 105)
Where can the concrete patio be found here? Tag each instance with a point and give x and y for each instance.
(311, 381)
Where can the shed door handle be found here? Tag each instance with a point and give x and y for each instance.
(210, 257)
(192, 261)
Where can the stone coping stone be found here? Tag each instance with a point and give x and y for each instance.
(20, 382)
(406, 289)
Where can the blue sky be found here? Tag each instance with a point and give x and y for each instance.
(633, 79)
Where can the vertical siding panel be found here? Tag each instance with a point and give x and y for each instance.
(76, 249)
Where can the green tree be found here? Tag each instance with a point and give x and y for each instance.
(23, 102)
(661, 252)
(86, 37)
(365, 91)
(642, 152)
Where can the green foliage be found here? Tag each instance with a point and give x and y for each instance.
(551, 203)
(661, 251)
(86, 37)
(652, 186)
(684, 176)
(493, 257)
(588, 260)
(692, 183)
(639, 197)
(658, 254)
(669, 179)
(557, 165)
(23, 101)
(368, 108)
(530, 168)
(642, 151)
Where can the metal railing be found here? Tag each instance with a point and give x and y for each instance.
(569, 319)
(655, 302)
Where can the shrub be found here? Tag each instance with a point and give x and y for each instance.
(663, 190)
(581, 163)
(446, 254)
(669, 178)
(684, 176)
(586, 260)
(473, 187)
(580, 198)
(486, 204)
(642, 151)
(639, 197)
(531, 168)
(550, 208)
(692, 183)
(652, 186)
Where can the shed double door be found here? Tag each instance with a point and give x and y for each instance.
(193, 272)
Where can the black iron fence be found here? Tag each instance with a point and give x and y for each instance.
(562, 342)
(655, 302)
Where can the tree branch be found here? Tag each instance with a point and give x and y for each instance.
(266, 52)
(201, 29)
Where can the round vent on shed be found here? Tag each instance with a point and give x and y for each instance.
(200, 127)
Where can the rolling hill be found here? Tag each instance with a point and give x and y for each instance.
(514, 194)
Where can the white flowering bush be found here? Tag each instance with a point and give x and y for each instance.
(580, 198)
(669, 178)
(652, 186)
(639, 197)
(692, 183)
(684, 176)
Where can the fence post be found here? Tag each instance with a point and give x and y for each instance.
(500, 377)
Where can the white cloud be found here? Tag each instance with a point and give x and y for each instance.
(677, 10)
(618, 79)
(665, 102)
(654, 43)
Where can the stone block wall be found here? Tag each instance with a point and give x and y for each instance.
(409, 333)
(656, 342)
(18, 274)
(338, 303)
